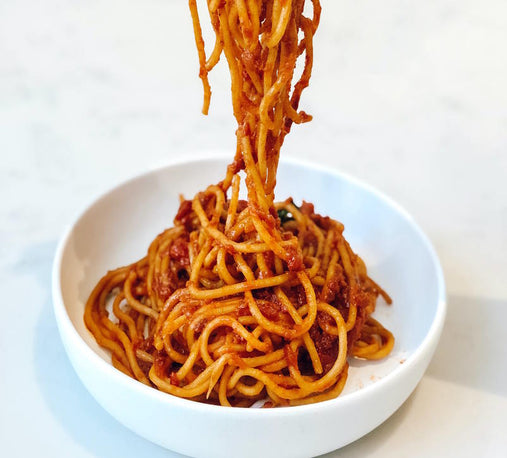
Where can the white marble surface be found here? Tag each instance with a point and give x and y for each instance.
(409, 96)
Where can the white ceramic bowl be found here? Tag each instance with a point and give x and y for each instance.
(117, 228)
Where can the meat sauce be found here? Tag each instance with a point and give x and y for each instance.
(336, 293)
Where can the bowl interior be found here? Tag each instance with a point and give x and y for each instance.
(118, 228)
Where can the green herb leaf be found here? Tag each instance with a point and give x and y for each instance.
(284, 216)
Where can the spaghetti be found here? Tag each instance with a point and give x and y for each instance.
(242, 301)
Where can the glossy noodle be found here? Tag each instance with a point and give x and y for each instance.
(246, 300)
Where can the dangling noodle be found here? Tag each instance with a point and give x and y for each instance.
(246, 300)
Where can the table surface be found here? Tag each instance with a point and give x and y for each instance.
(408, 96)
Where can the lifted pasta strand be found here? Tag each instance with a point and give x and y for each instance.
(245, 300)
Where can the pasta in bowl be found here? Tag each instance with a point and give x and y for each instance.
(119, 227)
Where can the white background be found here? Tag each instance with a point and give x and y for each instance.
(408, 96)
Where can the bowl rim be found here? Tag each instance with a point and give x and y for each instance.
(64, 321)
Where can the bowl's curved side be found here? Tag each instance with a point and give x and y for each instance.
(202, 430)
(229, 434)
